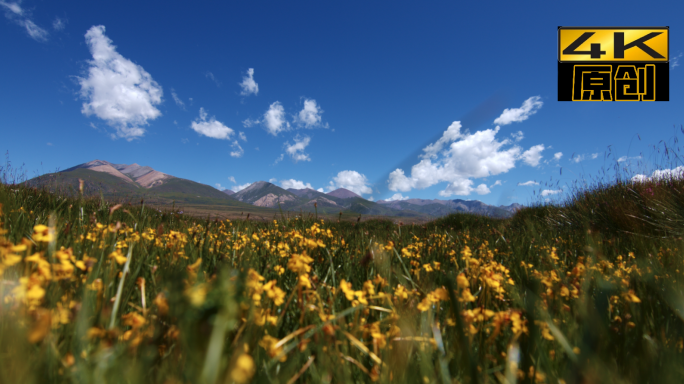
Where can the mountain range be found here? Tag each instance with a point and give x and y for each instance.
(123, 181)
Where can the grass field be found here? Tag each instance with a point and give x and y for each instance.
(588, 291)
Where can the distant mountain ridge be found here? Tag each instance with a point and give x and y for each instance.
(444, 207)
(136, 181)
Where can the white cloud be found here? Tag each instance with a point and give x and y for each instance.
(498, 182)
(533, 155)
(370, 199)
(238, 188)
(279, 159)
(211, 128)
(247, 123)
(675, 61)
(249, 86)
(117, 90)
(219, 187)
(512, 115)
(482, 189)
(185, 141)
(451, 134)
(58, 24)
(321, 190)
(213, 78)
(296, 184)
(296, 150)
(661, 174)
(310, 115)
(517, 136)
(274, 119)
(231, 179)
(242, 136)
(397, 197)
(351, 180)
(237, 149)
(178, 101)
(531, 182)
(474, 155)
(272, 180)
(578, 158)
(625, 158)
(548, 192)
(594, 155)
(14, 7)
(557, 156)
(49, 144)
(14, 12)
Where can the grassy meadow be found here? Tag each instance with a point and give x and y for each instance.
(587, 291)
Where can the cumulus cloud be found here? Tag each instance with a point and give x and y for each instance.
(295, 184)
(231, 179)
(279, 159)
(457, 157)
(238, 188)
(178, 101)
(249, 86)
(661, 174)
(310, 115)
(237, 149)
(321, 190)
(274, 119)
(351, 180)
(577, 159)
(531, 182)
(451, 134)
(21, 17)
(58, 24)
(242, 136)
(548, 192)
(498, 182)
(219, 187)
(211, 128)
(296, 150)
(532, 156)
(513, 115)
(117, 90)
(557, 156)
(397, 197)
(594, 155)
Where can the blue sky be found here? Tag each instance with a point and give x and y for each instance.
(404, 99)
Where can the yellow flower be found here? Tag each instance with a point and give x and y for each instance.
(630, 296)
(243, 370)
(347, 289)
(462, 281)
(269, 344)
(118, 257)
(133, 320)
(304, 281)
(401, 292)
(299, 263)
(196, 294)
(41, 233)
